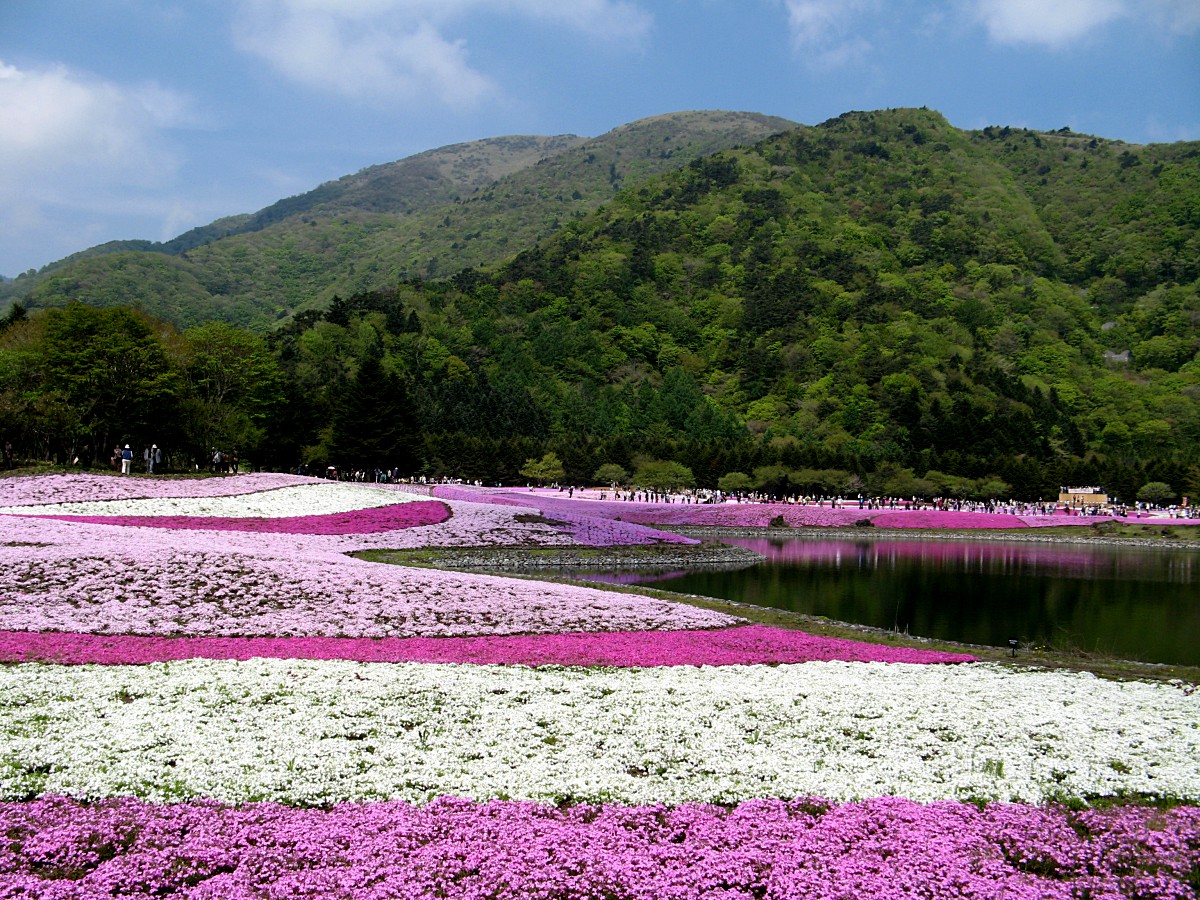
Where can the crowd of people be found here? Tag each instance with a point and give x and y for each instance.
(224, 462)
(124, 459)
(153, 461)
(868, 502)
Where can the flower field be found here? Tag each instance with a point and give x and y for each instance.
(203, 695)
(760, 515)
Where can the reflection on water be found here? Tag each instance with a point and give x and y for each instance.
(1133, 602)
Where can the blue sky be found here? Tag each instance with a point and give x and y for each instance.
(138, 119)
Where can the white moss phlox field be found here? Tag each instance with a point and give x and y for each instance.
(305, 732)
(295, 500)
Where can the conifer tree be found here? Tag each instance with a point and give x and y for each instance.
(373, 424)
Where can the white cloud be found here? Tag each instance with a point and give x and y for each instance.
(75, 151)
(828, 32)
(399, 50)
(1178, 16)
(1059, 23)
(1052, 23)
(57, 121)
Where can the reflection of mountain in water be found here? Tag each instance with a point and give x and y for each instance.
(993, 557)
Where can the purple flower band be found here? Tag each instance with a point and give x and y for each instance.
(885, 849)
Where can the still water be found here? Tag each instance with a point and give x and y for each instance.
(1130, 602)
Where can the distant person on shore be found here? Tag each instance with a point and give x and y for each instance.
(126, 461)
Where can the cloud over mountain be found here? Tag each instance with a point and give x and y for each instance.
(406, 50)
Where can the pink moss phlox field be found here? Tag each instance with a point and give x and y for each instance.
(761, 515)
(806, 849)
(590, 524)
(199, 589)
(79, 577)
(471, 524)
(359, 521)
(749, 645)
(734, 515)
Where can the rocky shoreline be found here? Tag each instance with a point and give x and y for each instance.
(1030, 535)
(541, 559)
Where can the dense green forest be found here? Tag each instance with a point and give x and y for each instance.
(880, 302)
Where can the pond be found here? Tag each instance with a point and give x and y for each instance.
(1118, 600)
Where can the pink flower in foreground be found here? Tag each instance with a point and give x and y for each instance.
(750, 645)
(884, 849)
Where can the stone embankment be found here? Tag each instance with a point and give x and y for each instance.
(1028, 535)
(660, 556)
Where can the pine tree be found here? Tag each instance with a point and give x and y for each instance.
(374, 424)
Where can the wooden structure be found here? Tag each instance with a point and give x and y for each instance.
(1076, 497)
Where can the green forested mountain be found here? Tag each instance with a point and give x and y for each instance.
(430, 214)
(881, 301)
(882, 290)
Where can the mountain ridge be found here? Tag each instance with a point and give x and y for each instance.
(368, 207)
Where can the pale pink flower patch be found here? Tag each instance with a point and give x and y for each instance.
(148, 588)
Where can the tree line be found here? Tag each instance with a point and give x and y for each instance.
(340, 389)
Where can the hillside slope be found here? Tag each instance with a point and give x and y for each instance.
(879, 290)
(433, 213)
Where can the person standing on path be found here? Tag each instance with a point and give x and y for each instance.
(126, 460)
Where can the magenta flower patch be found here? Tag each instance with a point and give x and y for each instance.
(358, 521)
(750, 645)
(885, 849)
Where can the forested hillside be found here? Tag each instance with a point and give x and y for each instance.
(881, 302)
(427, 215)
